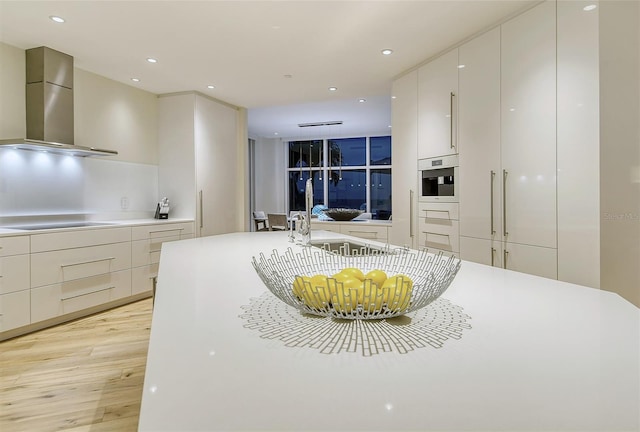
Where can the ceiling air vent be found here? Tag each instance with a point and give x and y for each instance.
(327, 123)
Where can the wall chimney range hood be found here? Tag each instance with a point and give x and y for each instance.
(49, 102)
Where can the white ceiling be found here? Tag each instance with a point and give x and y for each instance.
(246, 49)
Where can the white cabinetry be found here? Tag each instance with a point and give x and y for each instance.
(364, 230)
(437, 106)
(198, 161)
(14, 282)
(146, 245)
(528, 127)
(507, 145)
(77, 270)
(438, 227)
(404, 159)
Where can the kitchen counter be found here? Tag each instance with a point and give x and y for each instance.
(9, 231)
(518, 352)
(368, 222)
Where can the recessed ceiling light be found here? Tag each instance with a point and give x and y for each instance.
(56, 19)
(152, 60)
(386, 51)
(393, 97)
(589, 7)
(135, 79)
(362, 100)
(333, 88)
(210, 87)
(275, 133)
(461, 66)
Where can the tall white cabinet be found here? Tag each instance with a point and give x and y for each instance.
(437, 106)
(480, 183)
(198, 161)
(404, 149)
(508, 145)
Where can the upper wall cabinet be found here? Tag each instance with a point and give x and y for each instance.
(437, 106)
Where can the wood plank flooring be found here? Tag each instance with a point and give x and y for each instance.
(86, 375)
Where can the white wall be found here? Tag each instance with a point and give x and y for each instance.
(620, 148)
(108, 115)
(176, 160)
(12, 92)
(115, 116)
(270, 175)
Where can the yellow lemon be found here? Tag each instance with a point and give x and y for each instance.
(370, 296)
(377, 276)
(397, 290)
(318, 295)
(345, 299)
(299, 285)
(352, 271)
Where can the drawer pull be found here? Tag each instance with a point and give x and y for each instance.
(435, 233)
(410, 213)
(367, 233)
(164, 231)
(87, 262)
(87, 293)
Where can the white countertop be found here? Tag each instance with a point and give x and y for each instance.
(5, 231)
(539, 355)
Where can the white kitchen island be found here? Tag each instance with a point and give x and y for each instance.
(535, 354)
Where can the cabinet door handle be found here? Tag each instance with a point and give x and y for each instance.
(451, 97)
(201, 211)
(169, 230)
(87, 262)
(493, 176)
(504, 203)
(435, 233)
(410, 213)
(505, 254)
(493, 253)
(87, 293)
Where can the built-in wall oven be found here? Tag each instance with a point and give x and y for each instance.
(438, 178)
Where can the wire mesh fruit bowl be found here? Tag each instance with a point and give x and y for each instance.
(356, 287)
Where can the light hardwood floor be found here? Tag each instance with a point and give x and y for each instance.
(86, 375)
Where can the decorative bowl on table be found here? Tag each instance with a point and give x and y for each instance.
(342, 214)
(388, 285)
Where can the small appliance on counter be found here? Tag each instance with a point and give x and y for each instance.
(162, 209)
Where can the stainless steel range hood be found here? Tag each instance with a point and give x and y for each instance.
(50, 106)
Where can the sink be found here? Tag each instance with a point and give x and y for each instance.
(349, 247)
(56, 225)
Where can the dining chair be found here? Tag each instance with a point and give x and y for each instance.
(259, 217)
(277, 222)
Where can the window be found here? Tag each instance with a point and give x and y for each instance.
(346, 173)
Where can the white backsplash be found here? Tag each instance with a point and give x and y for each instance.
(37, 183)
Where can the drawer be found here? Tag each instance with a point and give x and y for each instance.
(59, 299)
(377, 233)
(145, 252)
(14, 310)
(14, 273)
(439, 234)
(325, 226)
(65, 265)
(439, 211)
(161, 230)
(14, 245)
(79, 238)
(445, 253)
(142, 278)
